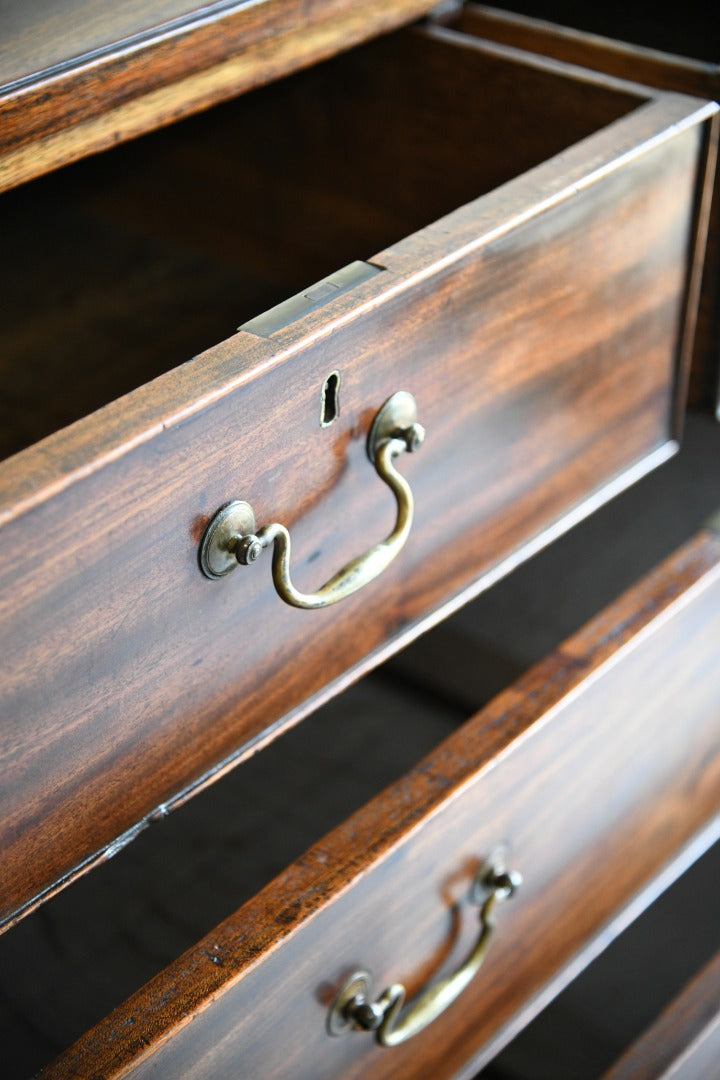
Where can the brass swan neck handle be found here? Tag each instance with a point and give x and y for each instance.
(354, 1008)
(231, 537)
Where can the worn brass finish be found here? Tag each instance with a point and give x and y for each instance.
(354, 1009)
(217, 557)
(310, 299)
(355, 990)
(394, 431)
(396, 418)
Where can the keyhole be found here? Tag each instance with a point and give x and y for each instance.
(330, 403)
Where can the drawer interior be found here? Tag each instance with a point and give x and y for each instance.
(121, 267)
(115, 928)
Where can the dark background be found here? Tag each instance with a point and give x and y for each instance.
(687, 29)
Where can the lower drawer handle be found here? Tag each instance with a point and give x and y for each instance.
(230, 538)
(354, 1009)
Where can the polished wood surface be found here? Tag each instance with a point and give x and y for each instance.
(593, 771)
(685, 1040)
(126, 71)
(652, 68)
(138, 672)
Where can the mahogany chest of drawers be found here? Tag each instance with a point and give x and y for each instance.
(508, 257)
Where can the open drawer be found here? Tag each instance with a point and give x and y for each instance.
(543, 327)
(596, 776)
(652, 68)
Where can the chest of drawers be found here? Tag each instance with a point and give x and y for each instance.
(541, 310)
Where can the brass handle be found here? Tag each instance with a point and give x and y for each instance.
(231, 537)
(354, 1009)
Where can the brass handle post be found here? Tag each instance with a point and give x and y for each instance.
(354, 1008)
(231, 537)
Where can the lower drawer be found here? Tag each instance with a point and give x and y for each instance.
(596, 776)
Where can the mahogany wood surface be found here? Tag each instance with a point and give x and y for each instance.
(592, 771)
(652, 68)
(685, 1040)
(80, 77)
(540, 330)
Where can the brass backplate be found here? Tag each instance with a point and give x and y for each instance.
(216, 555)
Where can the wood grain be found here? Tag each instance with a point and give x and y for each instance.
(593, 770)
(652, 68)
(145, 80)
(553, 308)
(684, 1042)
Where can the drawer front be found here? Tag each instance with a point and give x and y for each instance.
(598, 774)
(543, 332)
